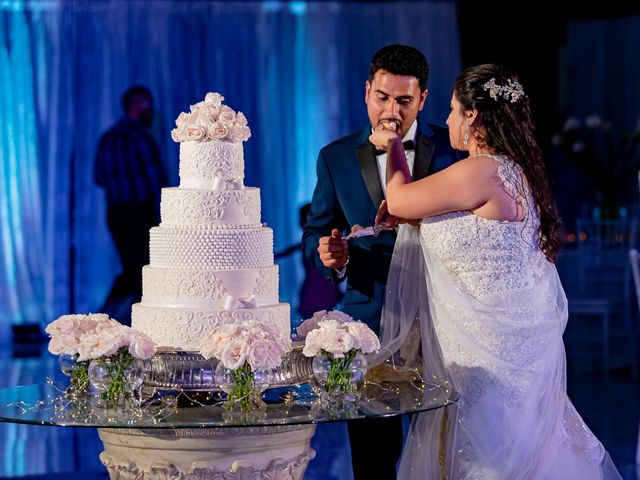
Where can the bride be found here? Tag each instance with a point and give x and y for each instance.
(496, 308)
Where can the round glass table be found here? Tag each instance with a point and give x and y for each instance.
(203, 441)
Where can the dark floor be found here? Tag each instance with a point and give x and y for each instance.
(611, 409)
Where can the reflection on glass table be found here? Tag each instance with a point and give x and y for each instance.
(47, 404)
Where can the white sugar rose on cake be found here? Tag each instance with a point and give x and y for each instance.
(211, 258)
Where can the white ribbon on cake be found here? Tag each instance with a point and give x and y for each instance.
(234, 303)
(215, 184)
(220, 184)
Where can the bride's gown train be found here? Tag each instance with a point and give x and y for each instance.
(498, 311)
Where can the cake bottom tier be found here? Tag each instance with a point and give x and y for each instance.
(185, 328)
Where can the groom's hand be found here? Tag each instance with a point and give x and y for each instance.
(333, 250)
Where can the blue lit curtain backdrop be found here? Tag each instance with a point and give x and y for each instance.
(297, 71)
(599, 70)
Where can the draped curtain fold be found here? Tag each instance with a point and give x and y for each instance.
(296, 69)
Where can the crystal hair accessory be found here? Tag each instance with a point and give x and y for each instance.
(512, 91)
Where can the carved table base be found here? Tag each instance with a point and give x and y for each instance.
(274, 453)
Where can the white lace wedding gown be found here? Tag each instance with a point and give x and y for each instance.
(498, 311)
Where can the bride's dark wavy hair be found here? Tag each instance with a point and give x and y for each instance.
(508, 129)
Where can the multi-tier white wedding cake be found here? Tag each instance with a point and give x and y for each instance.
(211, 259)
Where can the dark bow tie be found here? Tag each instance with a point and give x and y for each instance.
(408, 145)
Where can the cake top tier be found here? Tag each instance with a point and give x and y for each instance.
(211, 120)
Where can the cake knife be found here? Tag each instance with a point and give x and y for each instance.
(367, 231)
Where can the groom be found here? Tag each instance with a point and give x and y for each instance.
(350, 189)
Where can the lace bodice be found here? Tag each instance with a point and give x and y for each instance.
(488, 257)
(488, 276)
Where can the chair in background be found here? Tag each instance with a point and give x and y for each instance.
(602, 290)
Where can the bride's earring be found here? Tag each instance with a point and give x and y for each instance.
(465, 139)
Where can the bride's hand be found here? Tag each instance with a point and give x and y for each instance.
(382, 136)
(382, 216)
(392, 221)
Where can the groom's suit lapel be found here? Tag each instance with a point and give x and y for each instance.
(366, 154)
(423, 155)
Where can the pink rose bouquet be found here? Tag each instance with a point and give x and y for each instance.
(243, 349)
(107, 344)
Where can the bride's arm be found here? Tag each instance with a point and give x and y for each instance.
(466, 185)
(397, 161)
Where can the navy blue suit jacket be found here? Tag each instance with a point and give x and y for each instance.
(348, 192)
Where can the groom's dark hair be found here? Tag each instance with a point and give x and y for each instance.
(401, 60)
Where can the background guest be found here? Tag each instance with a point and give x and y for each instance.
(129, 168)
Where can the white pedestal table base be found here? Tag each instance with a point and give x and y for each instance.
(242, 453)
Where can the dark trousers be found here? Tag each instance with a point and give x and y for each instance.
(376, 445)
(129, 225)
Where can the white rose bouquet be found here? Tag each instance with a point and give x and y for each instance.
(339, 339)
(110, 345)
(243, 349)
(67, 333)
(211, 120)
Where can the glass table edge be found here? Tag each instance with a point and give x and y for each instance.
(450, 400)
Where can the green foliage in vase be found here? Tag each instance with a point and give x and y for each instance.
(80, 375)
(117, 391)
(339, 375)
(242, 393)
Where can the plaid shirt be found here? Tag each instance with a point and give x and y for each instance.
(128, 164)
